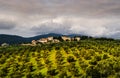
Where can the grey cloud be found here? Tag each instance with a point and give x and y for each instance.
(84, 16)
(90, 27)
(113, 29)
(5, 25)
(52, 28)
(116, 35)
(113, 26)
(88, 8)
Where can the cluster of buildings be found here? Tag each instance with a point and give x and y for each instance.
(48, 40)
(65, 38)
(45, 40)
(52, 40)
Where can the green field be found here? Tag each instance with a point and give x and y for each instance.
(84, 59)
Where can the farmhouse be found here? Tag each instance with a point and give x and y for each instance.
(50, 38)
(65, 38)
(34, 42)
(77, 38)
(55, 41)
(43, 40)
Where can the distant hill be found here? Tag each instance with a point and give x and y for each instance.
(11, 39)
(14, 39)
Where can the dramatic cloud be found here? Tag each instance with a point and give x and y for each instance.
(4, 25)
(69, 25)
(32, 17)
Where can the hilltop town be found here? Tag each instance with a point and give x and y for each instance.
(52, 40)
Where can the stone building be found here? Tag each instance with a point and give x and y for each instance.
(77, 38)
(65, 38)
(55, 41)
(34, 42)
(50, 38)
(43, 40)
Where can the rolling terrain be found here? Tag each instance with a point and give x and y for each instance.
(14, 39)
(83, 59)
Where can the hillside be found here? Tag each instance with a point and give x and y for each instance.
(84, 59)
(14, 39)
(11, 39)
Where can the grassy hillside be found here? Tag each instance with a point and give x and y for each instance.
(84, 59)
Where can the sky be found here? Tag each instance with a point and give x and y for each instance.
(28, 18)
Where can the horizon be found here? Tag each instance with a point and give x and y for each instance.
(28, 18)
(61, 35)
